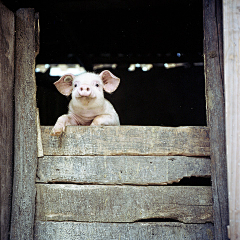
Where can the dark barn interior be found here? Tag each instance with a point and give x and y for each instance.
(167, 35)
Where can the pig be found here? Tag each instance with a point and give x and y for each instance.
(88, 107)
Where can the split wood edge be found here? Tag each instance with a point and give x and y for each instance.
(134, 170)
(101, 203)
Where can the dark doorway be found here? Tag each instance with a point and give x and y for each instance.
(166, 36)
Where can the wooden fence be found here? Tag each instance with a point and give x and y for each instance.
(97, 182)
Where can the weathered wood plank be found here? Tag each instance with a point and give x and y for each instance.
(123, 231)
(39, 136)
(140, 170)
(127, 140)
(7, 39)
(98, 203)
(232, 93)
(213, 65)
(25, 151)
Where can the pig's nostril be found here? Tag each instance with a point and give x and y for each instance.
(85, 89)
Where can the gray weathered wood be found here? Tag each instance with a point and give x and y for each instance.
(140, 170)
(39, 136)
(99, 203)
(7, 39)
(25, 151)
(232, 98)
(127, 140)
(213, 58)
(37, 34)
(123, 231)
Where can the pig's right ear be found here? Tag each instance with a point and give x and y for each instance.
(64, 84)
(110, 81)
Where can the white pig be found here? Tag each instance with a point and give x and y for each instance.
(88, 105)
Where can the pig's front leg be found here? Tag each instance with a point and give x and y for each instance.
(106, 120)
(62, 122)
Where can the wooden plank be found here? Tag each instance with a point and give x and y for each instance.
(140, 170)
(25, 151)
(232, 94)
(7, 38)
(39, 136)
(213, 61)
(127, 140)
(123, 231)
(37, 34)
(99, 203)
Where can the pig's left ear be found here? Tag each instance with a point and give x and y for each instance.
(110, 81)
(64, 84)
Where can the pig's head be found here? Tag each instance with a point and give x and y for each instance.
(87, 86)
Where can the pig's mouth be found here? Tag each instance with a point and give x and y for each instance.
(85, 100)
(84, 97)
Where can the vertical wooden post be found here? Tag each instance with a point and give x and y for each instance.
(7, 37)
(25, 151)
(213, 63)
(231, 17)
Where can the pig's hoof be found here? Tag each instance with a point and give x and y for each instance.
(55, 132)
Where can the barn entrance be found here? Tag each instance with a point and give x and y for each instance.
(155, 177)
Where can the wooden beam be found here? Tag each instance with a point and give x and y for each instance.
(232, 96)
(213, 64)
(101, 203)
(127, 140)
(102, 231)
(7, 39)
(39, 136)
(135, 170)
(25, 151)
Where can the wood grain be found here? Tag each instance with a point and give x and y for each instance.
(99, 203)
(7, 39)
(127, 140)
(25, 151)
(138, 170)
(123, 231)
(232, 93)
(213, 65)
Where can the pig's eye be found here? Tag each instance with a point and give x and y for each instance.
(97, 85)
(75, 85)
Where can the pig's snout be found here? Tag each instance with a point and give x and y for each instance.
(84, 91)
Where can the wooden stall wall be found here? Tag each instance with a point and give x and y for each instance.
(89, 201)
(7, 39)
(25, 142)
(114, 183)
(232, 84)
(214, 78)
